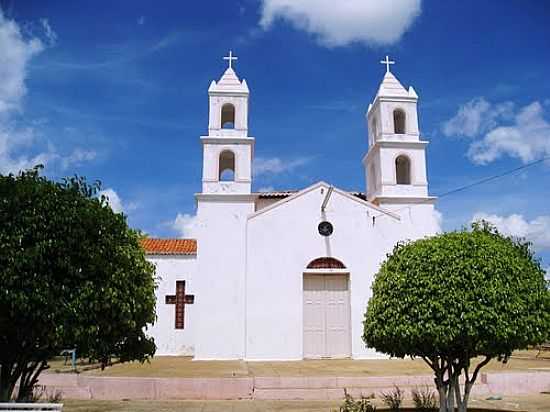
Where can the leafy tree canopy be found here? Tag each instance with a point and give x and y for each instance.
(72, 275)
(457, 296)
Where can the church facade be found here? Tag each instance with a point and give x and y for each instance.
(287, 275)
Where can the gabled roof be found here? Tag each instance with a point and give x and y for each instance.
(390, 86)
(154, 246)
(229, 82)
(286, 193)
(355, 196)
(276, 194)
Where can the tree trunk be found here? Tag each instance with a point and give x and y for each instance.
(464, 403)
(442, 399)
(7, 382)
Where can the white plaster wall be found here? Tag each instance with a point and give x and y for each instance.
(262, 203)
(421, 218)
(169, 340)
(283, 240)
(383, 158)
(221, 263)
(240, 101)
(419, 184)
(243, 167)
(372, 177)
(386, 108)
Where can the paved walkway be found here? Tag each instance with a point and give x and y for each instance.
(534, 403)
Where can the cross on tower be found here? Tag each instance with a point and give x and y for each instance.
(230, 58)
(180, 299)
(387, 62)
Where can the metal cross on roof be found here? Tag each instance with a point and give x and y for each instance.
(387, 62)
(230, 58)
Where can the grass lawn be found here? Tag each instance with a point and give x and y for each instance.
(534, 403)
(176, 366)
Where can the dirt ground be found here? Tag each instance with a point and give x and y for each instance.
(534, 403)
(184, 367)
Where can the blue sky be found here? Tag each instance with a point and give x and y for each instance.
(117, 91)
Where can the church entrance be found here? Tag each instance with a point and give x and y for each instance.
(326, 315)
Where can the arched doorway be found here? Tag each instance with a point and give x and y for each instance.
(326, 309)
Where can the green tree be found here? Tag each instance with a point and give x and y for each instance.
(454, 297)
(72, 275)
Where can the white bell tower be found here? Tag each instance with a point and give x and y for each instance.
(227, 150)
(223, 207)
(395, 163)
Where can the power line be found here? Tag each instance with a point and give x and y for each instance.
(488, 179)
(477, 183)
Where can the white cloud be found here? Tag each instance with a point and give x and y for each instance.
(339, 23)
(276, 165)
(501, 130)
(113, 199)
(528, 138)
(536, 231)
(21, 144)
(15, 54)
(77, 157)
(185, 225)
(11, 143)
(438, 217)
(476, 117)
(266, 189)
(51, 35)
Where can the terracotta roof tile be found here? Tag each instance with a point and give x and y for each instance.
(169, 246)
(287, 193)
(281, 194)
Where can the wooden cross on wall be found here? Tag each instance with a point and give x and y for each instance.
(180, 299)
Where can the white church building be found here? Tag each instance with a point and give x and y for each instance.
(287, 275)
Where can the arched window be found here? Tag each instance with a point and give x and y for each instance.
(403, 170)
(228, 116)
(326, 263)
(399, 119)
(227, 166)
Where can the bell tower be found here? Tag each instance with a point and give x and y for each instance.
(395, 164)
(227, 149)
(223, 207)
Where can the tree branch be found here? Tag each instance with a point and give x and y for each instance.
(478, 367)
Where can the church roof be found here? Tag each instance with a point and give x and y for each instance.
(229, 82)
(154, 246)
(390, 86)
(286, 193)
(279, 194)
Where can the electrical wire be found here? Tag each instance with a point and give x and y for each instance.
(470, 185)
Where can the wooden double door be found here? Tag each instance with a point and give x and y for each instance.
(326, 316)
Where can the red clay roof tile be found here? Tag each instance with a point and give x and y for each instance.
(169, 246)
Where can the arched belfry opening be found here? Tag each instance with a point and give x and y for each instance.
(227, 166)
(399, 120)
(228, 116)
(403, 170)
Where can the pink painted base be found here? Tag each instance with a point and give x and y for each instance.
(273, 388)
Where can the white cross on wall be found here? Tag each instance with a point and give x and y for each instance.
(230, 58)
(387, 62)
